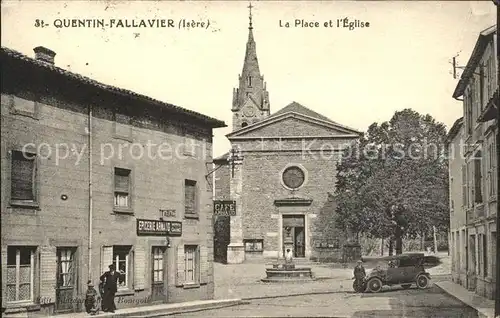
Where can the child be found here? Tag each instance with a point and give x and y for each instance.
(91, 299)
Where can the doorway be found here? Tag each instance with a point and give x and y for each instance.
(66, 279)
(158, 273)
(294, 233)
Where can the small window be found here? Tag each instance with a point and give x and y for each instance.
(25, 107)
(249, 81)
(244, 124)
(254, 245)
(190, 204)
(123, 126)
(122, 188)
(23, 177)
(122, 262)
(191, 269)
(293, 177)
(20, 271)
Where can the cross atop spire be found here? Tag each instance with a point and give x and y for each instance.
(250, 16)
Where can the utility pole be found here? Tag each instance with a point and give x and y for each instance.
(497, 288)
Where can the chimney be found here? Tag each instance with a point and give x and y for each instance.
(44, 54)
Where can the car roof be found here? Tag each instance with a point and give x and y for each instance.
(403, 256)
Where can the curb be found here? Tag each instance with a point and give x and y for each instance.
(159, 312)
(296, 295)
(479, 313)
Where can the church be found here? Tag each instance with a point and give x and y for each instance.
(280, 173)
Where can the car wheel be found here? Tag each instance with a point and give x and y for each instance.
(406, 286)
(375, 285)
(422, 281)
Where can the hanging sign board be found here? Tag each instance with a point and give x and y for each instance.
(225, 208)
(158, 228)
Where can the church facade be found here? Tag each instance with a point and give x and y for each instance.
(281, 174)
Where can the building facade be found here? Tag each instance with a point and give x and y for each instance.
(281, 173)
(94, 175)
(474, 243)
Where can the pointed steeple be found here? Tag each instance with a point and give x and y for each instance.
(250, 99)
(251, 63)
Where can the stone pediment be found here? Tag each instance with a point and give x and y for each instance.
(292, 124)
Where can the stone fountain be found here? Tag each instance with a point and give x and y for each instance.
(285, 271)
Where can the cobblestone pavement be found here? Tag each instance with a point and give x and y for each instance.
(393, 302)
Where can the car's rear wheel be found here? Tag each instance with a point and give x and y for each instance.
(406, 286)
(374, 285)
(422, 281)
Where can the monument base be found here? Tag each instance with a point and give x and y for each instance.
(235, 253)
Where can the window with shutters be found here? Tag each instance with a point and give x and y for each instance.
(23, 187)
(464, 186)
(191, 264)
(20, 272)
(190, 199)
(123, 264)
(491, 171)
(122, 193)
(478, 195)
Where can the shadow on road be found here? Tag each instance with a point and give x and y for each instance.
(416, 303)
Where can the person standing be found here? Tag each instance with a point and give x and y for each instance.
(110, 286)
(359, 275)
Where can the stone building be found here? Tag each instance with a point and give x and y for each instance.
(281, 173)
(474, 245)
(93, 175)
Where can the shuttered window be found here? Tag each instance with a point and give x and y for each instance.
(191, 267)
(478, 178)
(190, 206)
(20, 272)
(23, 176)
(464, 186)
(122, 188)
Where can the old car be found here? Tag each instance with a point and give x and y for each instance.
(403, 269)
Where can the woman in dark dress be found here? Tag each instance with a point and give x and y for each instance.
(110, 281)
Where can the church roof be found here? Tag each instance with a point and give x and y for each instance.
(298, 108)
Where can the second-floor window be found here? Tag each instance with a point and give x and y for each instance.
(478, 197)
(464, 186)
(122, 188)
(23, 177)
(190, 206)
(468, 111)
(481, 86)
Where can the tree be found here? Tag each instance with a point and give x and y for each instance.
(393, 182)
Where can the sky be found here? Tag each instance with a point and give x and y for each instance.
(354, 77)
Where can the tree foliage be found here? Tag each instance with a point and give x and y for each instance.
(399, 166)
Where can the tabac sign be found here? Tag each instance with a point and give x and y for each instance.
(226, 208)
(158, 228)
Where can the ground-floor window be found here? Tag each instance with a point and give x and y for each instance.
(20, 271)
(191, 269)
(122, 262)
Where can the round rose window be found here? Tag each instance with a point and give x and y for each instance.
(293, 177)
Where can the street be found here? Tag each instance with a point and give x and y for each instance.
(393, 302)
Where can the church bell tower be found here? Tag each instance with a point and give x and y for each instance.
(250, 99)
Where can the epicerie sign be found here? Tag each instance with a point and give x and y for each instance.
(158, 228)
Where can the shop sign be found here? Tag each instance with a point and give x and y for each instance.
(158, 228)
(167, 213)
(225, 208)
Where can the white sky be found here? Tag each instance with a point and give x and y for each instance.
(353, 77)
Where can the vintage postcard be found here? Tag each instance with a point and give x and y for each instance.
(249, 158)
